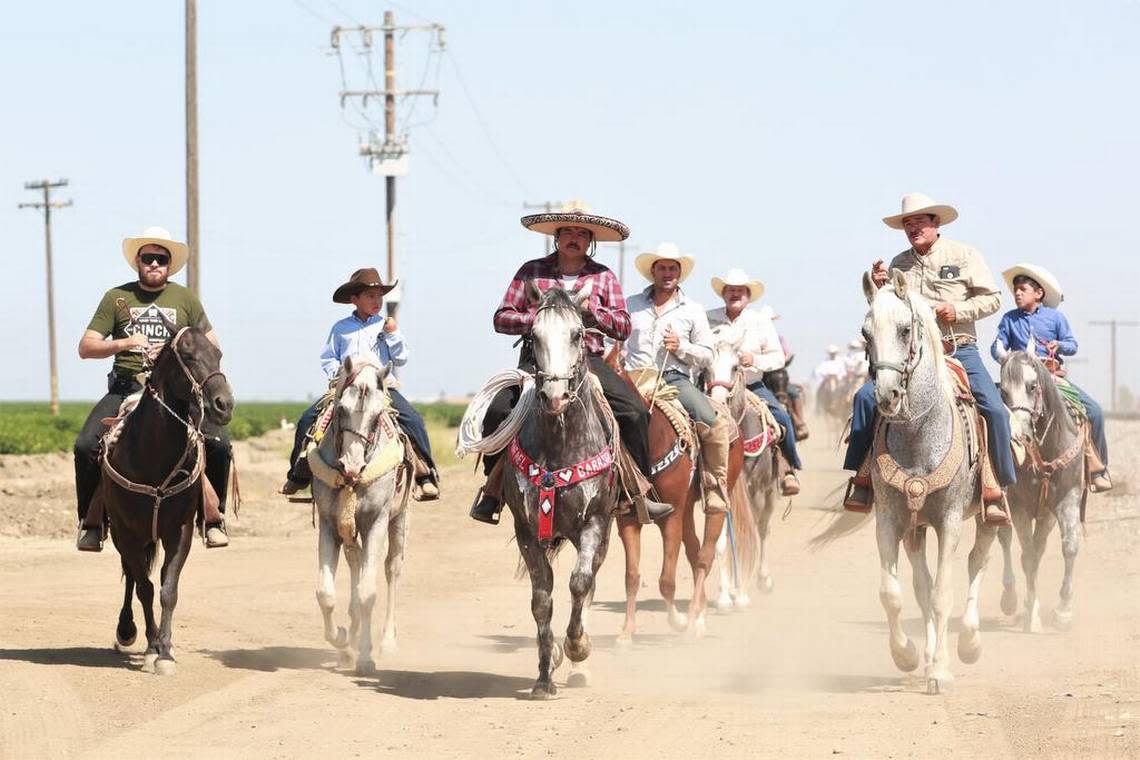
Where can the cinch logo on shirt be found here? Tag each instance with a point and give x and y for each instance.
(148, 322)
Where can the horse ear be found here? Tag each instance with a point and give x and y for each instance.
(1002, 352)
(170, 326)
(898, 279)
(582, 294)
(533, 294)
(869, 288)
(613, 358)
(347, 366)
(382, 375)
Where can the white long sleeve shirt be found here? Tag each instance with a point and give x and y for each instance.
(759, 339)
(353, 336)
(687, 318)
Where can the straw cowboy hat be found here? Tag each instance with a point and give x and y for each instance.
(361, 280)
(737, 276)
(645, 261)
(1040, 275)
(156, 236)
(917, 203)
(832, 350)
(577, 214)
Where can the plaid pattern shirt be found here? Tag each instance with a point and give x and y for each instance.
(605, 310)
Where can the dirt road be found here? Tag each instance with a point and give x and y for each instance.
(805, 672)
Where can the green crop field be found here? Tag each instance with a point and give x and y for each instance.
(29, 428)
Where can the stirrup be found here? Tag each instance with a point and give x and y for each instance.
(858, 507)
(83, 546)
(215, 544)
(482, 512)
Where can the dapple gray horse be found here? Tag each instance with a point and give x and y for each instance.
(558, 449)
(357, 509)
(1043, 434)
(923, 440)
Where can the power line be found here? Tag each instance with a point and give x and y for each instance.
(318, 16)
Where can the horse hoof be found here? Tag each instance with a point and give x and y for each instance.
(624, 642)
(939, 683)
(165, 667)
(743, 602)
(905, 659)
(697, 631)
(124, 647)
(125, 636)
(344, 659)
(1032, 624)
(969, 647)
(577, 649)
(543, 690)
(557, 656)
(678, 621)
(1009, 600)
(724, 603)
(341, 638)
(365, 668)
(767, 584)
(1062, 621)
(578, 679)
(148, 662)
(389, 646)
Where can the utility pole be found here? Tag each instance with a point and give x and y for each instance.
(387, 158)
(192, 146)
(47, 205)
(548, 207)
(1112, 324)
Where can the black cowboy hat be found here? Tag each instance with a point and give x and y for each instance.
(362, 279)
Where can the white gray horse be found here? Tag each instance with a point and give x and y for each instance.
(739, 564)
(355, 469)
(1050, 486)
(923, 474)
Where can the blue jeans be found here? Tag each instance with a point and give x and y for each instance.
(1096, 421)
(409, 419)
(788, 445)
(989, 404)
(695, 403)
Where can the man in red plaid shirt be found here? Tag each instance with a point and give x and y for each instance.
(571, 266)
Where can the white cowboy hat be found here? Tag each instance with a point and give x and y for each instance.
(832, 350)
(917, 203)
(156, 236)
(577, 214)
(670, 251)
(1040, 275)
(737, 276)
(857, 343)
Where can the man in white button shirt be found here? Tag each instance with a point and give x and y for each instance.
(671, 333)
(759, 352)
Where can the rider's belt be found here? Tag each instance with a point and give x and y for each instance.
(949, 345)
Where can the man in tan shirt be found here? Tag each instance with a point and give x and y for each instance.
(955, 280)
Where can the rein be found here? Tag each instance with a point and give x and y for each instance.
(914, 352)
(1045, 470)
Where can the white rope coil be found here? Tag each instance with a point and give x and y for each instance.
(471, 436)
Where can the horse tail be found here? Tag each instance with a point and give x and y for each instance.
(551, 551)
(746, 539)
(149, 557)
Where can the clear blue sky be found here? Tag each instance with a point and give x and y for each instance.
(771, 136)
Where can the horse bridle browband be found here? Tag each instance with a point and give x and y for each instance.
(914, 352)
(577, 371)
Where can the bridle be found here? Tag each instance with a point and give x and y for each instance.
(577, 369)
(371, 435)
(913, 356)
(196, 388)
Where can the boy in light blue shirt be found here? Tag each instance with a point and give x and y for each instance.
(1037, 321)
(363, 332)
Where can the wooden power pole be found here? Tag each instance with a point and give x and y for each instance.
(548, 207)
(192, 268)
(47, 205)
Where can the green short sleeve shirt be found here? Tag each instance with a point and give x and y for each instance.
(129, 301)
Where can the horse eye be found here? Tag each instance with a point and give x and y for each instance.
(904, 331)
(576, 336)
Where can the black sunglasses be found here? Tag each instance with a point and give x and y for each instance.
(154, 258)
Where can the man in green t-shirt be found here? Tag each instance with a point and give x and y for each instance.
(131, 316)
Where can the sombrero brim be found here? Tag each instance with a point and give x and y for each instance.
(345, 292)
(645, 262)
(945, 214)
(1044, 278)
(179, 253)
(755, 287)
(605, 230)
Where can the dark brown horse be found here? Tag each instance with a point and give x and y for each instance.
(673, 478)
(152, 483)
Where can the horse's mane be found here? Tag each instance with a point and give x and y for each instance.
(931, 335)
(1045, 381)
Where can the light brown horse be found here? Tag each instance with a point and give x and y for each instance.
(673, 478)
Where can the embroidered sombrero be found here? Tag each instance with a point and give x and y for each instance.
(577, 214)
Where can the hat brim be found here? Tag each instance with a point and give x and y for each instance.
(645, 262)
(945, 214)
(345, 292)
(179, 253)
(755, 288)
(605, 230)
(1053, 294)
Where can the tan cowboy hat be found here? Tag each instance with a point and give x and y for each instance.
(577, 214)
(832, 350)
(362, 279)
(736, 276)
(645, 261)
(156, 236)
(1040, 275)
(917, 203)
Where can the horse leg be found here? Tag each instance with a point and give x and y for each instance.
(1070, 525)
(942, 602)
(1023, 524)
(1031, 558)
(397, 539)
(144, 591)
(630, 532)
(923, 586)
(579, 675)
(728, 588)
(373, 540)
(970, 638)
(764, 528)
(714, 525)
(126, 632)
(592, 543)
(903, 650)
(674, 529)
(352, 558)
(176, 548)
(328, 556)
(541, 606)
(1008, 579)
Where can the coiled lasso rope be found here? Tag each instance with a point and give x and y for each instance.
(471, 436)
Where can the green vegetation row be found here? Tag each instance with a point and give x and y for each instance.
(29, 428)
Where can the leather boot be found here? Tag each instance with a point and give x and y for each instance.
(89, 540)
(858, 496)
(796, 409)
(488, 502)
(655, 509)
(216, 536)
(714, 459)
(91, 532)
(1100, 482)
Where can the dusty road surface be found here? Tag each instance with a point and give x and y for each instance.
(804, 673)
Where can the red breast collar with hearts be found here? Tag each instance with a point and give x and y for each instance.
(549, 481)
